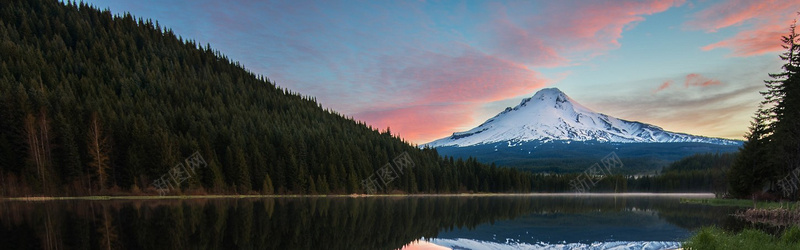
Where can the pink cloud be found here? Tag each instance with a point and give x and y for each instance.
(700, 80)
(518, 44)
(752, 42)
(420, 123)
(471, 77)
(563, 33)
(762, 23)
(664, 86)
(737, 12)
(444, 91)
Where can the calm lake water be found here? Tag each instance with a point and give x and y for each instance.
(569, 221)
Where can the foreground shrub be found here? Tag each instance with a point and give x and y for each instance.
(711, 238)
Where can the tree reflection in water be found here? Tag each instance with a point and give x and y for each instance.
(306, 223)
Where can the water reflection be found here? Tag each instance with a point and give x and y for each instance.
(591, 222)
(347, 223)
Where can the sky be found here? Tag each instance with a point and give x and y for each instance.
(427, 69)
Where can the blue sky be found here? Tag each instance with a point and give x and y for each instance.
(430, 68)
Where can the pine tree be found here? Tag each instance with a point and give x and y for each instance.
(240, 171)
(772, 148)
(67, 153)
(784, 93)
(322, 185)
(749, 172)
(352, 183)
(312, 187)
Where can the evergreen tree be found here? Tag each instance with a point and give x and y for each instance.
(67, 152)
(785, 142)
(751, 168)
(772, 149)
(312, 187)
(240, 170)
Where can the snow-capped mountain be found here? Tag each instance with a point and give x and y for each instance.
(550, 115)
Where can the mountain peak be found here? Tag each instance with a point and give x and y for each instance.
(548, 101)
(549, 92)
(551, 115)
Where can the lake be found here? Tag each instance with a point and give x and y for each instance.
(540, 221)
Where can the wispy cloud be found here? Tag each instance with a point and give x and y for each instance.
(712, 112)
(560, 33)
(760, 24)
(664, 86)
(753, 42)
(690, 80)
(694, 79)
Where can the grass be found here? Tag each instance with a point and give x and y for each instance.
(742, 203)
(714, 238)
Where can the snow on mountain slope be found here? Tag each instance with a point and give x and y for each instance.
(551, 115)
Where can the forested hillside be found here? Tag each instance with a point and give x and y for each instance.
(92, 103)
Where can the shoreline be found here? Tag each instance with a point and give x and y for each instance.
(186, 197)
(724, 202)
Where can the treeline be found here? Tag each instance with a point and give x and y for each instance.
(93, 103)
(768, 165)
(700, 172)
(633, 165)
(697, 173)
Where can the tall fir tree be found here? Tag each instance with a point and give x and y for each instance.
(749, 172)
(785, 138)
(773, 142)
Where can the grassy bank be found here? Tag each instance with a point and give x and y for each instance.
(742, 203)
(715, 238)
